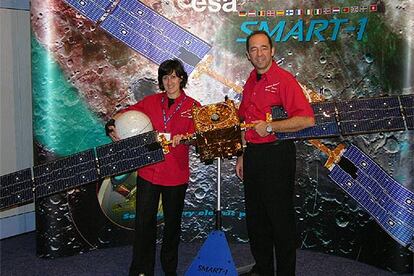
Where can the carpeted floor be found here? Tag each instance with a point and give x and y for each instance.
(18, 258)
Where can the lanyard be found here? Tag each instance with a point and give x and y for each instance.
(164, 113)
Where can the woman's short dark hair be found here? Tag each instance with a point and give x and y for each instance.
(169, 66)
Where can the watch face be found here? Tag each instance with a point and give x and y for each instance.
(269, 129)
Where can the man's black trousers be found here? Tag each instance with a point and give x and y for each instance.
(269, 177)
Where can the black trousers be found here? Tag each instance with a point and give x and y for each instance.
(144, 248)
(269, 176)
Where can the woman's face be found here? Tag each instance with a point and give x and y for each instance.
(171, 84)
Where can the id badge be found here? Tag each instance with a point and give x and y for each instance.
(167, 135)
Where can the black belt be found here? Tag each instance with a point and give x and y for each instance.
(274, 143)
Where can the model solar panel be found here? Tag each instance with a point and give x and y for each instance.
(16, 188)
(79, 169)
(167, 28)
(128, 154)
(66, 173)
(407, 103)
(399, 193)
(125, 144)
(153, 35)
(370, 115)
(398, 229)
(128, 161)
(93, 10)
(384, 199)
(278, 113)
(324, 112)
(325, 122)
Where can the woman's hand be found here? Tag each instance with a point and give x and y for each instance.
(177, 139)
(239, 167)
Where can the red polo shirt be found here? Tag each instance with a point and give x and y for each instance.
(174, 170)
(275, 87)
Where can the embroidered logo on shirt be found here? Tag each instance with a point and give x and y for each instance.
(186, 114)
(272, 88)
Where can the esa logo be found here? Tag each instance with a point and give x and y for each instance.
(210, 5)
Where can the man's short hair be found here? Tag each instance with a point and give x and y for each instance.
(256, 33)
(169, 66)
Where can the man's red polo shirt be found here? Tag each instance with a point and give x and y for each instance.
(275, 87)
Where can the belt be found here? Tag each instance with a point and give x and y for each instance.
(274, 143)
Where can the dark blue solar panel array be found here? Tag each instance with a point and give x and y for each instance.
(385, 199)
(79, 169)
(407, 103)
(93, 10)
(370, 115)
(278, 113)
(400, 194)
(325, 123)
(391, 204)
(352, 117)
(147, 32)
(69, 172)
(128, 154)
(16, 188)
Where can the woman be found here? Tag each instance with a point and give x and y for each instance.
(169, 113)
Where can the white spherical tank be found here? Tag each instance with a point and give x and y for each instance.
(131, 123)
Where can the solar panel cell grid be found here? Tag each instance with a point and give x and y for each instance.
(360, 126)
(60, 165)
(145, 31)
(371, 103)
(125, 155)
(127, 144)
(93, 10)
(17, 198)
(325, 120)
(154, 36)
(11, 179)
(380, 195)
(16, 188)
(139, 157)
(407, 102)
(50, 185)
(370, 115)
(320, 131)
(278, 113)
(397, 229)
(65, 173)
(119, 155)
(399, 193)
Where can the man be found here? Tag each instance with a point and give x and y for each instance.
(168, 112)
(267, 166)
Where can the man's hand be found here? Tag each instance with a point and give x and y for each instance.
(239, 167)
(260, 127)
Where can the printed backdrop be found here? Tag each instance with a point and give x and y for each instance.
(82, 74)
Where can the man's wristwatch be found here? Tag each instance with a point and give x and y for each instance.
(269, 129)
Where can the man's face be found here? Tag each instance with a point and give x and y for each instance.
(260, 53)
